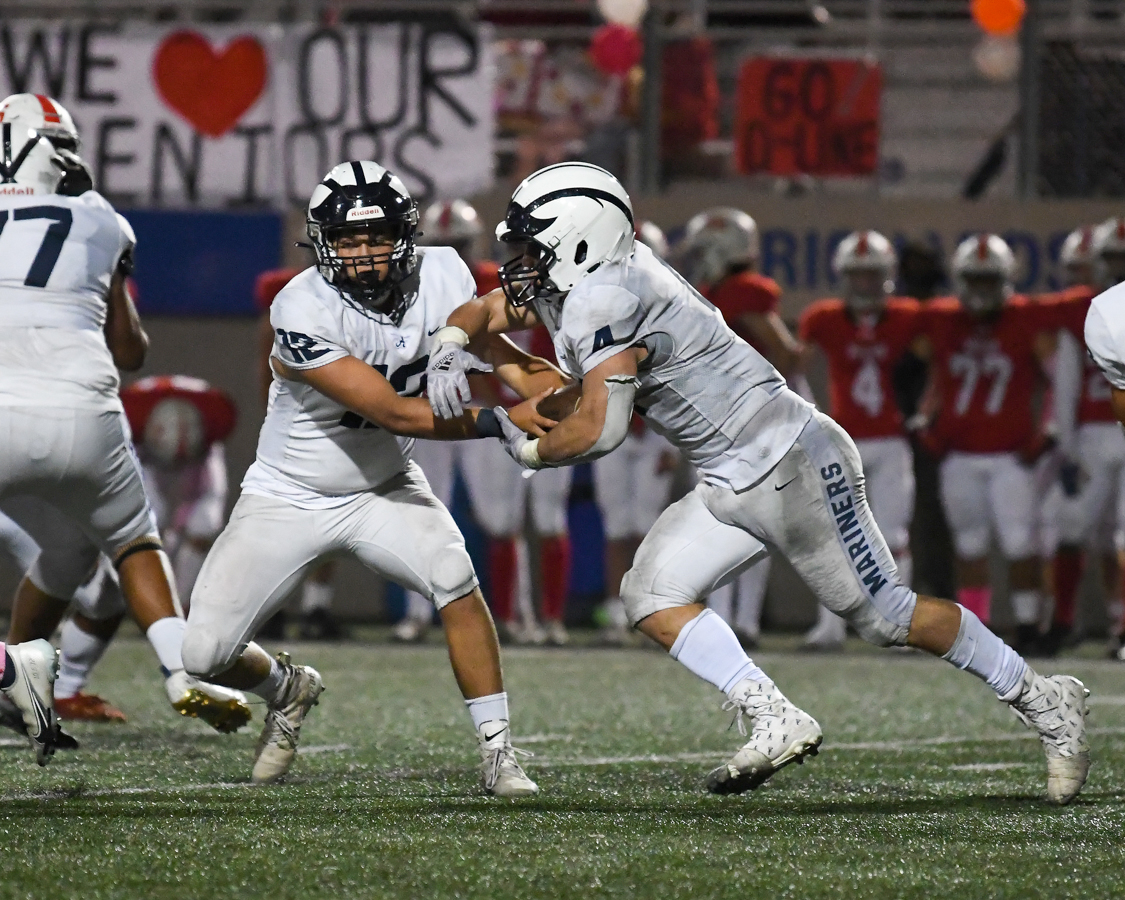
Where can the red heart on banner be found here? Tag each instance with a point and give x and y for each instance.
(210, 89)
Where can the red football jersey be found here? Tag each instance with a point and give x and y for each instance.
(269, 285)
(487, 276)
(746, 292)
(862, 353)
(986, 373)
(218, 409)
(1094, 402)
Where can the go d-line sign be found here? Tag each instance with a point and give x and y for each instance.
(808, 116)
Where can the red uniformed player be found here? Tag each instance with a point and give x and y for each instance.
(1091, 510)
(179, 425)
(988, 350)
(863, 335)
(317, 621)
(719, 256)
(497, 491)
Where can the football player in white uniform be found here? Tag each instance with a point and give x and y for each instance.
(68, 325)
(773, 469)
(333, 472)
(631, 487)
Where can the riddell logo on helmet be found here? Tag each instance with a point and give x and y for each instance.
(364, 212)
(15, 190)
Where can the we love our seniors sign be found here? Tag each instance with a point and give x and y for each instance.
(257, 114)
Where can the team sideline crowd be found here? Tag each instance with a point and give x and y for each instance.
(403, 355)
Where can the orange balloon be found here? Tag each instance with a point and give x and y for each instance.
(998, 17)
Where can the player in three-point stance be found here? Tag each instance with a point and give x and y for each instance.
(773, 470)
(333, 472)
(68, 325)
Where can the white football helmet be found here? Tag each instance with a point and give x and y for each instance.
(715, 242)
(174, 432)
(865, 263)
(652, 236)
(1076, 257)
(450, 224)
(570, 218)
(983, 267)
(43, 115)
(28, 163)
(1109, 252)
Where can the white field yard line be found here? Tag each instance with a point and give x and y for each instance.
(920, 743)
(894, 746)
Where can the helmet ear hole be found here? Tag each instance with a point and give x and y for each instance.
(580, 252)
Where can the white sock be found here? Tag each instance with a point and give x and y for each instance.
(418, 608)
(981, 652)
(271, 685)
(186, 566)
(1025, 605)
(721, 602)
(709, 649)
(490, 708)
(167, 637)
(79, 653)
(314, 596)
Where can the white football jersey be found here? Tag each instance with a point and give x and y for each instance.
(701, 386)
(57, 258)
(313, 452)
(1105, 334)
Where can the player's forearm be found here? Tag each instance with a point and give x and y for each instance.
(573, 437)
(413, 417)
(533, 377)
(472, 318)
(124, 334)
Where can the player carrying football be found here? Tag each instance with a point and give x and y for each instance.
(773, 470)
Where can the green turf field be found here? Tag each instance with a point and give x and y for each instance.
(926, 787)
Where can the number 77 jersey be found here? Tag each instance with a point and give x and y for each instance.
(57, 259)
(987, 373)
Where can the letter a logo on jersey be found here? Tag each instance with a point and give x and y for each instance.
(603, 337)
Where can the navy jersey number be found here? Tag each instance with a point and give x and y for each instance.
(44, 263)
(400, 381)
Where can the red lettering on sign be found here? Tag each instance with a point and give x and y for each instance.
(818, 117)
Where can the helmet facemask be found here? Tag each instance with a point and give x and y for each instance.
(1111, 268)
(368, 262)
(526, 277)
(866, 288)
(983, 293)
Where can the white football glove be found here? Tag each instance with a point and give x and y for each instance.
(447, 384)
(523, 449)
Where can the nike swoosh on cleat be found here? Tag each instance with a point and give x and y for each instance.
(489, 737)
(782, 487)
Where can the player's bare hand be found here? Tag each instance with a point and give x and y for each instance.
(526, 415)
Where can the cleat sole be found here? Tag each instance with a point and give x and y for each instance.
(225, 716)
(727, 779)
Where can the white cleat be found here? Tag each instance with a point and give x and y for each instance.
(410, 631)
(1055, 707)
(277, 747)
(501, 774)
(780, 734)
(36, 665)
(223, 708)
